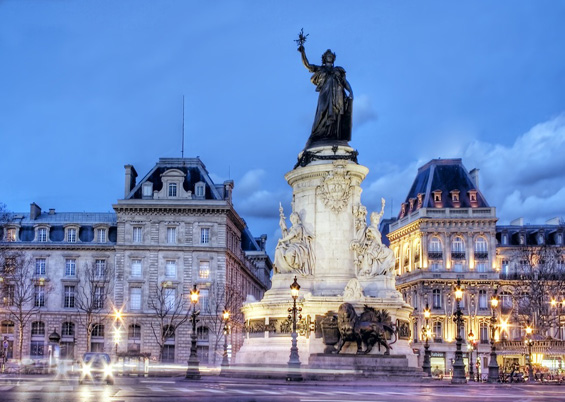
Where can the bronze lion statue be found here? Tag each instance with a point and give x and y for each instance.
(370, 328)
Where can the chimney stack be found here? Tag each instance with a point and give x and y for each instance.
(131, 175)
(475, 177)
(34, 211)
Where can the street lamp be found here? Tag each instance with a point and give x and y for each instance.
(471, 346)
(193, 372)
(294, 360)
(427, 366)
(493, 370)
(558, 305)
(529, 341)
(458, 365)
(226, 317)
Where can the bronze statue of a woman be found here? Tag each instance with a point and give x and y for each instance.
(332, 124)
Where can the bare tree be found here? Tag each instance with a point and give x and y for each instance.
(22, 293)
(92, 294)
(540, 277)
(169, 312)
(222, 298)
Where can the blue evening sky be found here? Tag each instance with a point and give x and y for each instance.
(89, 86)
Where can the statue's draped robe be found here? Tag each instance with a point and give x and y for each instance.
(333, 114)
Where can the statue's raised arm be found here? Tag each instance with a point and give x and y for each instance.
(332, 123)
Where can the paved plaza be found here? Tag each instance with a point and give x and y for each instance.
(44, 388)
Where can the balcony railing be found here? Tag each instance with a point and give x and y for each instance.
(458, 255)
(481, 255)
(435, 255)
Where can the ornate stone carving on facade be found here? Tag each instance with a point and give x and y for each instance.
(353, 291)
(294, 252)
(335, 189)
(371, 256)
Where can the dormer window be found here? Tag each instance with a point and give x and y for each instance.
(199, 189)
(101, 235)
(473, 198)
(147, 190)
(172, 189)
(42, 234)
(454, 195)
(420, 200)
(539, 238)
(411, 201)
(71, 235)
(403, 209)
(437, 198)
(558, 238)
(11, 234)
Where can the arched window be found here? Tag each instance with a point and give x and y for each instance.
(435, 245)
(406, 262)
(481, 251)
(68, 329)
(37, 344)
(458, 248)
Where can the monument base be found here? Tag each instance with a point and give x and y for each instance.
(377, 367)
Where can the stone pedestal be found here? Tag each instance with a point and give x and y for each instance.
(327, 213)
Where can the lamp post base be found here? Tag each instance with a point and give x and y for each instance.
(193, 371)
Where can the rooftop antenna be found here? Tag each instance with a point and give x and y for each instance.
(182, 146)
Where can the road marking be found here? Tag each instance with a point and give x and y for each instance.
(214, 391)
(66, 388)
(157, 382)
(240, 391)
(34, 388)
(156, 389)
(185, 389)
(7, 388)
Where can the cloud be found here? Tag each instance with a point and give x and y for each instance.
(526, 178)
(363, 111)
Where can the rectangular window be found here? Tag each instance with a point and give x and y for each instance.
(97, 331)
(172, 189)
(436, 298)
(204, 270)
(205, 235)
(42, 234)
(100, 268)
(482, 267)
(101, 235)
(200, 190)
(137, 234)
(99, 297)
(135, 298)
(40, 264)
(71, 235)
(204, 301)
(70, 267)
(171, 235)
(10, 294)
(483, 305)
(170, 269)
(69, 297)
(37, 349)
(170, 295)
(168, 354)
(136, 268)
(39, 296)
(438, 332)
(434, 266)
(505, 267)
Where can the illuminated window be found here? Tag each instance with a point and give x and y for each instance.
(436, 293)
(204, 270)
(11, 234)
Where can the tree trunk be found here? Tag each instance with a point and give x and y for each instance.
(21, 340)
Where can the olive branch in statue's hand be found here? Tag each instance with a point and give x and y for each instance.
(301, 39)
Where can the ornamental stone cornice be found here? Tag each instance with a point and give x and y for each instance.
(55, 246)
(406, 230)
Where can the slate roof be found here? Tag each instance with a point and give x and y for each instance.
(194, 170)
(445, 175)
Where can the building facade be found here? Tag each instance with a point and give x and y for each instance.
(119, 282)
(446, 231)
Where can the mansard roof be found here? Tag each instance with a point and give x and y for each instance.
(193, 170)
(63, 218)
(521, 234)
(445, 177)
